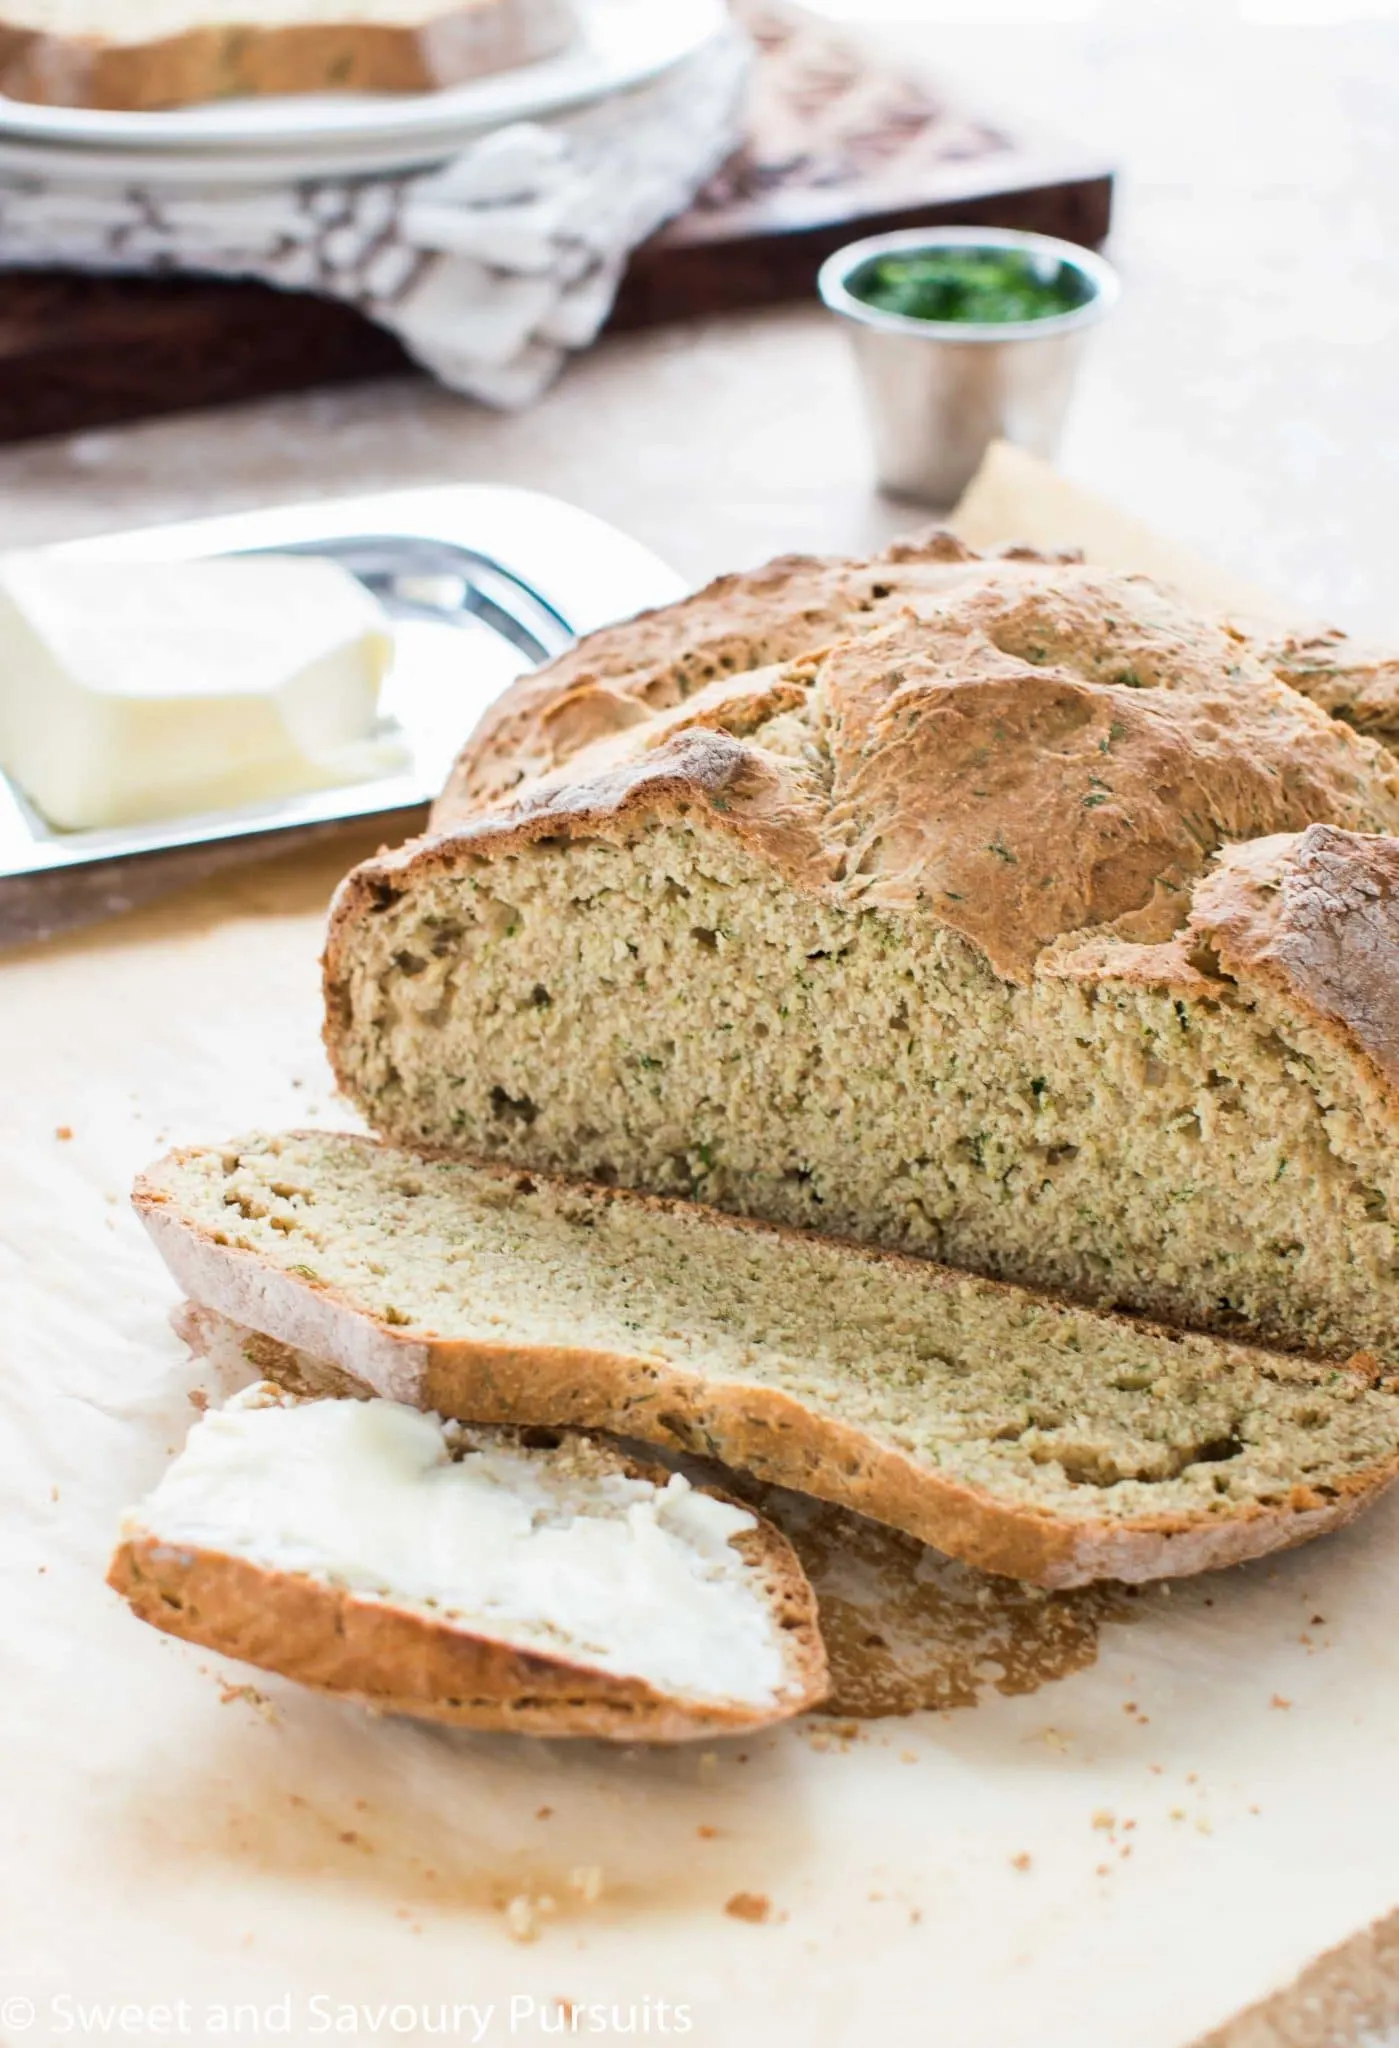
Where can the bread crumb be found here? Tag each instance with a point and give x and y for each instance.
(249, 1694)
(1177, 1813)
(1129, 1706)
(521, 1921)
(1202, 1826)
(1317, 1621)
(824, 1736)
(1055, 1738)
(1103, 1870)
(706, 1833)
(1104, 1819)
(587, 1882)
(63, 1133)
(1022, 1861)
(349, 1836)
(1278, 1701)
(752, 1906)
(544, 1813)
(908, 1756)
(198, 1400)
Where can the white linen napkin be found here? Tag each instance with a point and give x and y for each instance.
(490, 267)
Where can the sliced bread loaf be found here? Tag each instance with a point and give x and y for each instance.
(1043, 609)
(543, 1584)
(964, 943)
(143, 55)
(1030, 1437)
(905, 1628)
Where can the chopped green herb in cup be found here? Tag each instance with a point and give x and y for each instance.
(978, 287)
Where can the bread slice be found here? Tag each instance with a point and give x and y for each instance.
(1024, 1435)
(1046, 607)
(998, 933)
(488, 1579)
(143, 55)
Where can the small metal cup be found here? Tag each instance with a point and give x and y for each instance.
(938, 392)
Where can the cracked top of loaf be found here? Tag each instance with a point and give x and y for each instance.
(1000, 615)
(1067, 765)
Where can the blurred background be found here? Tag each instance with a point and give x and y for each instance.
(1243, 396)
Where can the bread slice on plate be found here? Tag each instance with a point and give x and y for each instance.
(537, 1582)
(1023, 1434)
(144, 55)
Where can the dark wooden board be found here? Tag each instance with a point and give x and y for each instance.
(838, 144)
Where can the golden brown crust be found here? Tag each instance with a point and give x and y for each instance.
(1018, 803)
(1108, 628)
(757, 1429)
(1358, 684)
(455, 41)
(398, 1661)
(1316, 917)
(1347, 1997)
(615, 680)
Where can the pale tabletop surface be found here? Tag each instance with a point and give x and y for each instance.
(960, 1877)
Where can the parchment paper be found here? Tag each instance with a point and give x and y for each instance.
(1120, 1859)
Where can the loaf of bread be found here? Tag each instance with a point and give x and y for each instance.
(144, 55)
(1025, 1435)
(1039, 927)
(539, 1583)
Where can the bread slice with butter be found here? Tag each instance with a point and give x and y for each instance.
(1022, 1434)
(145, 55)
(136, 691)
(535, 1582)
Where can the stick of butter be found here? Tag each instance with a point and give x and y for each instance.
(131, 691)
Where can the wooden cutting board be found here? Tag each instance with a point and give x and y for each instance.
(838, 144)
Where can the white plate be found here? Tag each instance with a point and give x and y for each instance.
(479, 569)
(621, 44)
(197, 172)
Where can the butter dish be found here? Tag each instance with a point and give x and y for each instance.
(479, 583)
